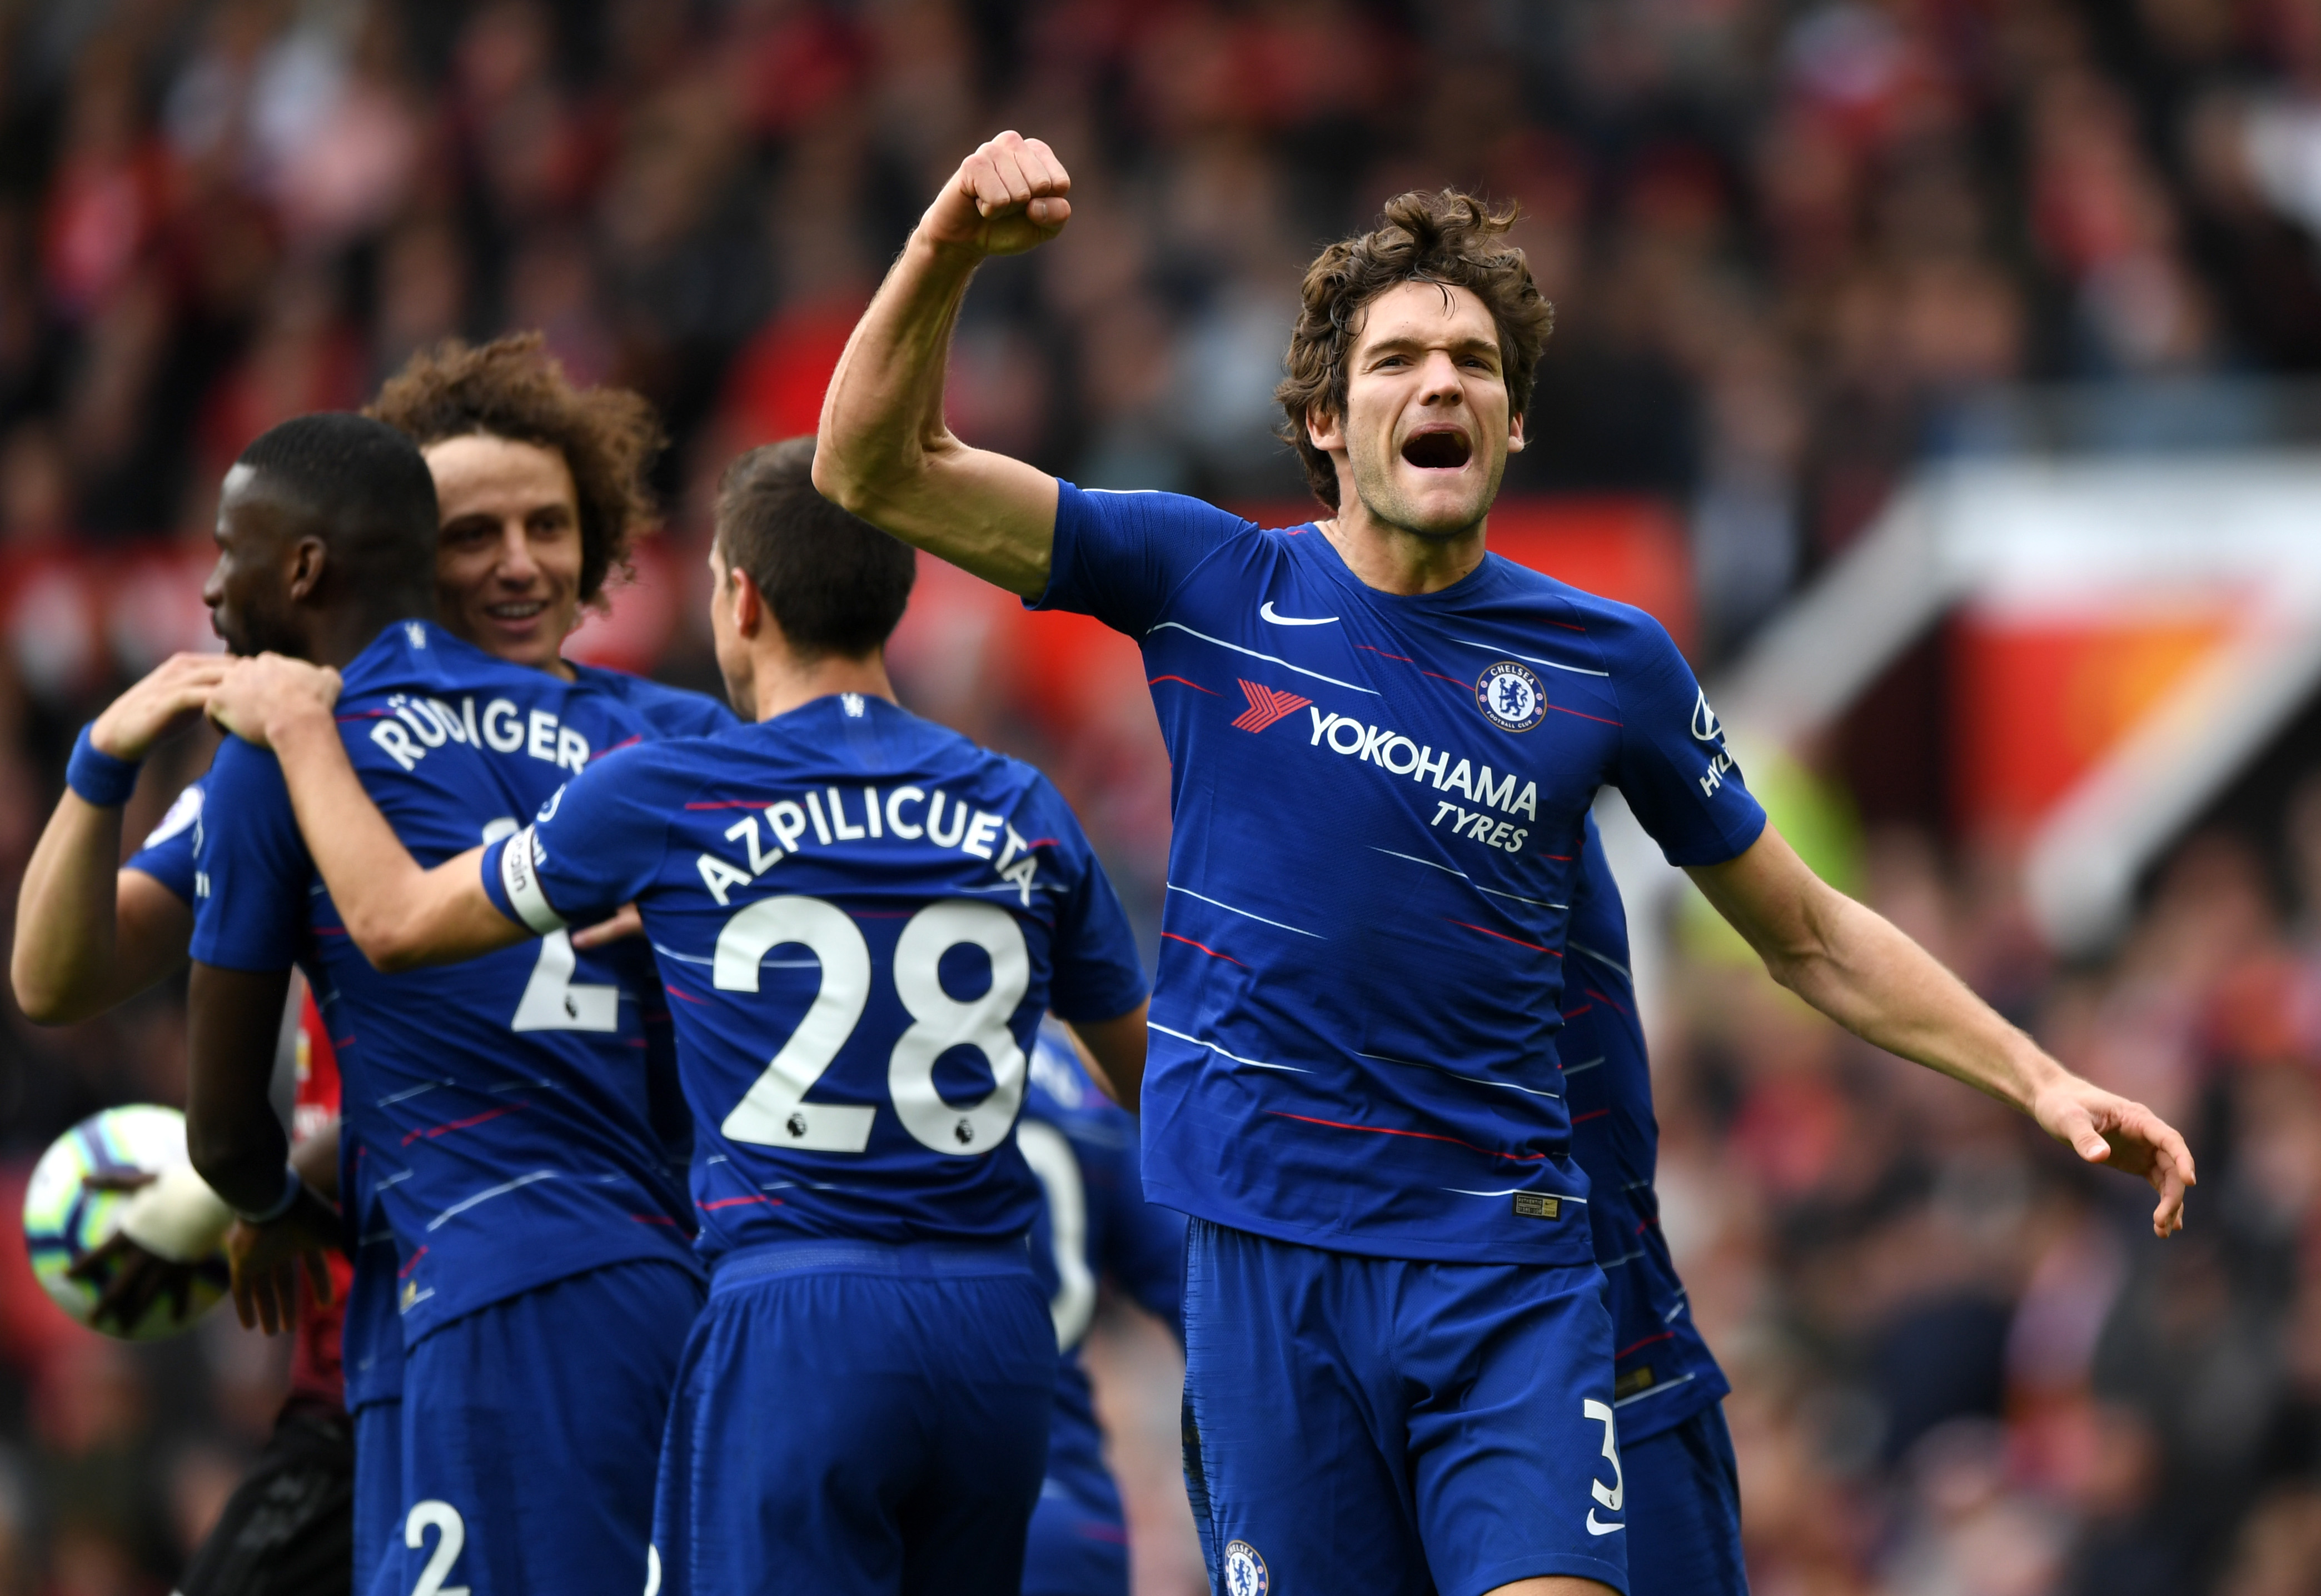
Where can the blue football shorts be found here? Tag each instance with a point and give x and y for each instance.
(378, 1484)
(1684, 1497)
(531, 1430)
(1394, 1427)
(1078, 1543)
(862, 1419)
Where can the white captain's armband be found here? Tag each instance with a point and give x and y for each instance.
(519, 877)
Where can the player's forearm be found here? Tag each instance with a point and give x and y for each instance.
(1854, 966)
(1867, 976)
(1115, 1049)
(63, 960)
(233, 1020)
(885, 453)
(373, 880)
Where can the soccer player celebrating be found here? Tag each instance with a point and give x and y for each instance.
(541, 487)
(861, 918)
(1384, 741)
(498, 1116)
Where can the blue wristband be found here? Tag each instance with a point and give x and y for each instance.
(98, 777)
(293, 1188)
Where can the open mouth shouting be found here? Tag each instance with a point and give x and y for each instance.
(1438, 448)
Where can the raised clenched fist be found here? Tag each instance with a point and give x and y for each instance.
(1005, 198)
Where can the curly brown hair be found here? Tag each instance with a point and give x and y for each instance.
(513, 388)
(1448, 237)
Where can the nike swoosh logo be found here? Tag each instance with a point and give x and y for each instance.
(1595, 1529)
(1265, 613)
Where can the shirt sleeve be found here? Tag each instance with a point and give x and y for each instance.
(252, 871)
(595, 845)
(167, 854)
(1673, 767)
(1118, 557)
(1098, 973)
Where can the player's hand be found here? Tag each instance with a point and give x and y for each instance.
(171, 695)
(1005, 198)
(132, 1279)
(627, 922)
(268, 1259)
(2105, 1128)
(259, 693)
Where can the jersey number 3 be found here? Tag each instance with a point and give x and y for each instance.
(774, 1112)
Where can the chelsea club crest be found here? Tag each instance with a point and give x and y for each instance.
(1510, 696)
(1245, 1574)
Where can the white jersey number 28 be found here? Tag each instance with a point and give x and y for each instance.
(774, 1112)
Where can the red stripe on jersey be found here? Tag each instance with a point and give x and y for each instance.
(1405, 658)
(1647, 1341)
(1416, 1135)
(1583, 715)
(1591, 1114)
(1195, 686)
(1503, 937)
(734, 803)
(1600, 998)
(737, 1203)
(434, 1131)
(1439, 677)
(1213, 952)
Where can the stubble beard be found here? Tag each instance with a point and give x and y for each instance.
(1375, 487)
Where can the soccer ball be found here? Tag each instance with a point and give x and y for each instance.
(65, 1220)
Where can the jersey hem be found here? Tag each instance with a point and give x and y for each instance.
(1649, 1413)
(1555, 1252)
(436, 1312)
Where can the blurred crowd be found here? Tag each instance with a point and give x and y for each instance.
(1791, 245)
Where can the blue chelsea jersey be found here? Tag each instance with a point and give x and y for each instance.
(167, 854)
(859, 917)
(498, 1112)
(1662, 1371)
(1094, 1227)
(1377, 804)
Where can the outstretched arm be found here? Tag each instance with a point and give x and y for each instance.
(400, 914)
(88, 933)
(884, 451)
(1854, 966)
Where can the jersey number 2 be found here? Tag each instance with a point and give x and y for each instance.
(774, 1112)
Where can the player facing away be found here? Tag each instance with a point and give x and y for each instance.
(541, 488)
(1678, 1471)
(1094, 1227)
(1384, 741)
(498, 1116)
(860, 917)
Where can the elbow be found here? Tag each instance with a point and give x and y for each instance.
(391, 946)
(44, 996)
(40, 1003)
(833, 480)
